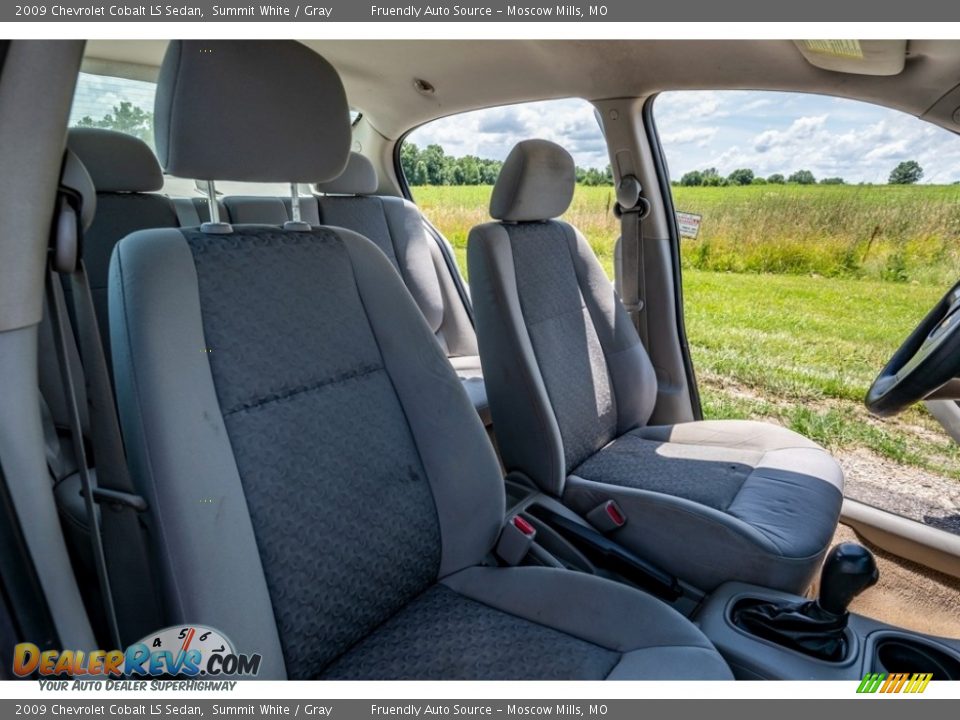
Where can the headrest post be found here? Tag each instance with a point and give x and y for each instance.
(215, 226)
(295, 202)
(295, 223)
(212, 204)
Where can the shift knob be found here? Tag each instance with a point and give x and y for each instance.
(848, 570)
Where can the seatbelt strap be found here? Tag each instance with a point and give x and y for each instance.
(187, 215)
(632, 208)
(57, 464)
(55, 302)
(128, 561)
(120, 551)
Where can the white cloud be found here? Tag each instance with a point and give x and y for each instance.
(690, 105)
(801, 132)
(784, 132)
(757, 104)
(492, 133)
(696, 135)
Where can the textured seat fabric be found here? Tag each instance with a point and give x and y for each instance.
(399, 230)
(571, 390)
(274, 384)
(443, 635)
(715, 498)
(530, 624)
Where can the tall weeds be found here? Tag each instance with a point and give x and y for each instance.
(893, 233)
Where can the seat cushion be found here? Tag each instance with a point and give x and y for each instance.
(491, 623)
(718, 500)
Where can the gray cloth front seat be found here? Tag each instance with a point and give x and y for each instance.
(321, 489)
(398, 228)
(571, 390)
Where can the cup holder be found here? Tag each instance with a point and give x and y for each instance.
(913, 655)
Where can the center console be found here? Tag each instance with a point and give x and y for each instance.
(762, 633)
(868, 645)
(563, 539)
(770, 635)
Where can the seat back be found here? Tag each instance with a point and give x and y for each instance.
(396, 226)
(564, 368)
(260, 210)
(127, 178)
(286, 407)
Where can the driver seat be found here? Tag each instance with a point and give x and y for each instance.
(571, 392)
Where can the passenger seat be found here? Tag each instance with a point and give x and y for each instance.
(398, 228)
(572, 391)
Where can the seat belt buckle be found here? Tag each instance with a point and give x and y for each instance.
(515, 540)
(607, 517)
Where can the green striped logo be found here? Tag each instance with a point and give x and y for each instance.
(894, 683)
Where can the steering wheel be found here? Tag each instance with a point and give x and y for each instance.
(926, 364)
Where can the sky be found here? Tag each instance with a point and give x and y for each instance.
(767, 132)
(96, 95)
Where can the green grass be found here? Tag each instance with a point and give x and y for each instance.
(794, 298)
(881, 232)
(803, 351)
(896, 233)
(454, 210)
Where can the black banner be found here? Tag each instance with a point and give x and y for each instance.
(497, 11)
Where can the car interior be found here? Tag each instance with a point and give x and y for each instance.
(291, 418)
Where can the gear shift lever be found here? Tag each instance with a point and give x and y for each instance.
(815, 627)
(848, 570)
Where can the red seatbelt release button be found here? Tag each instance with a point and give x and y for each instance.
(523, 526)
(607, 517)
(515, 540)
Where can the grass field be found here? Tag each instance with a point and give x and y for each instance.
(895, 233)
(794, 297)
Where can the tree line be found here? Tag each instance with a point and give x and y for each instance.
(126, 118)
(905, 173)
(432, 166)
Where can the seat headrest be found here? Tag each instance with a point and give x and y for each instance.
(65, 240)
(251, 111)
(536, 183)
(117, 162)
(358, 178)
(75, 177)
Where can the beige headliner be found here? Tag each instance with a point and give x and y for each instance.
(472, 74)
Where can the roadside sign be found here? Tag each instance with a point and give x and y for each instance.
(689, 224)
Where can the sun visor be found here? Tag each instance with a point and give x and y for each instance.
(857, 57)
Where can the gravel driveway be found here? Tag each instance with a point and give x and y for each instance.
(909, 491)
